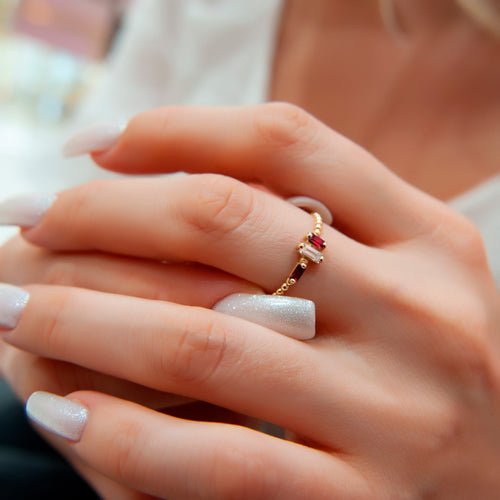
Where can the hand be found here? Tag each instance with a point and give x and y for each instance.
(396, 397)
(22, 263)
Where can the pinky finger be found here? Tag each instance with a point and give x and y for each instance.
(106, 488)
(178, 459)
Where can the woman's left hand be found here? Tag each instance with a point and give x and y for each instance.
(398, 396)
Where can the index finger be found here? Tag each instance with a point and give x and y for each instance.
(285, 149)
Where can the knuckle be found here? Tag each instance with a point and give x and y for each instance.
(159, 117)
(469, 358)
(53, 324)
(238, 475)
(456, 322)
(222, 205)
(124, 452)
(82, 198)
(283, 125)
(200, 353)
(459, 235)
(447, 428)
(439, 419)
(468, 238)
(461, 335)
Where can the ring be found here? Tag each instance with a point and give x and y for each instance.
(310, 250)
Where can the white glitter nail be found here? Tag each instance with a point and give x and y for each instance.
(95, 138)
(290, 316)
(58, 415)
(13, 300)
(25, 210)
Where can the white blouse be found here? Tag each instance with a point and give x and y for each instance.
(197, 52)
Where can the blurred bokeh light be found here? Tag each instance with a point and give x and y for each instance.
(52, 52)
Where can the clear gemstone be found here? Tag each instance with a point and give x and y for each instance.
(310, 253)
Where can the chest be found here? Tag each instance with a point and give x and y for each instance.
(429, 110)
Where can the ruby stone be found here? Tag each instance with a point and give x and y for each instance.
(297, 272)
(316, 241)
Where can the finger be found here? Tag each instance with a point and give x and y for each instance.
(212, 220)
(177, 459)
(200, 354)
(284, 148)
(106, 488)
(27, 373)
(22, 263)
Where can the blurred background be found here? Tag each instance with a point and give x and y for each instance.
(52, 54)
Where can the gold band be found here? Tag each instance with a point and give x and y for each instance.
(310, 251)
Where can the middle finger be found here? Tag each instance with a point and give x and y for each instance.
(24, 264)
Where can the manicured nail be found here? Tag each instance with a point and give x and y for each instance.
(25, 210)
(312, 205)
(58, 415)
(13, 300)
(290, 316)
(95, 138)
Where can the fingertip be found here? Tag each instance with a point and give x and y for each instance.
(60, 416)
(26, 210)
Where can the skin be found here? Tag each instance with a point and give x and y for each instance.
(397, 402)
(418, 369)
(425, 103)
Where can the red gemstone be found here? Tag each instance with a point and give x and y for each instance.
(297, 272)
(316, 241)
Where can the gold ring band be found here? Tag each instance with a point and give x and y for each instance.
(310, 250)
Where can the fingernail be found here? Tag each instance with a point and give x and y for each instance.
(25, 210)
(290, 316)
(58, 415)
(93, 139)
(13, 300)
(312, 205)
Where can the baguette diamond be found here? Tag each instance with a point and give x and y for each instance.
(310, 253)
